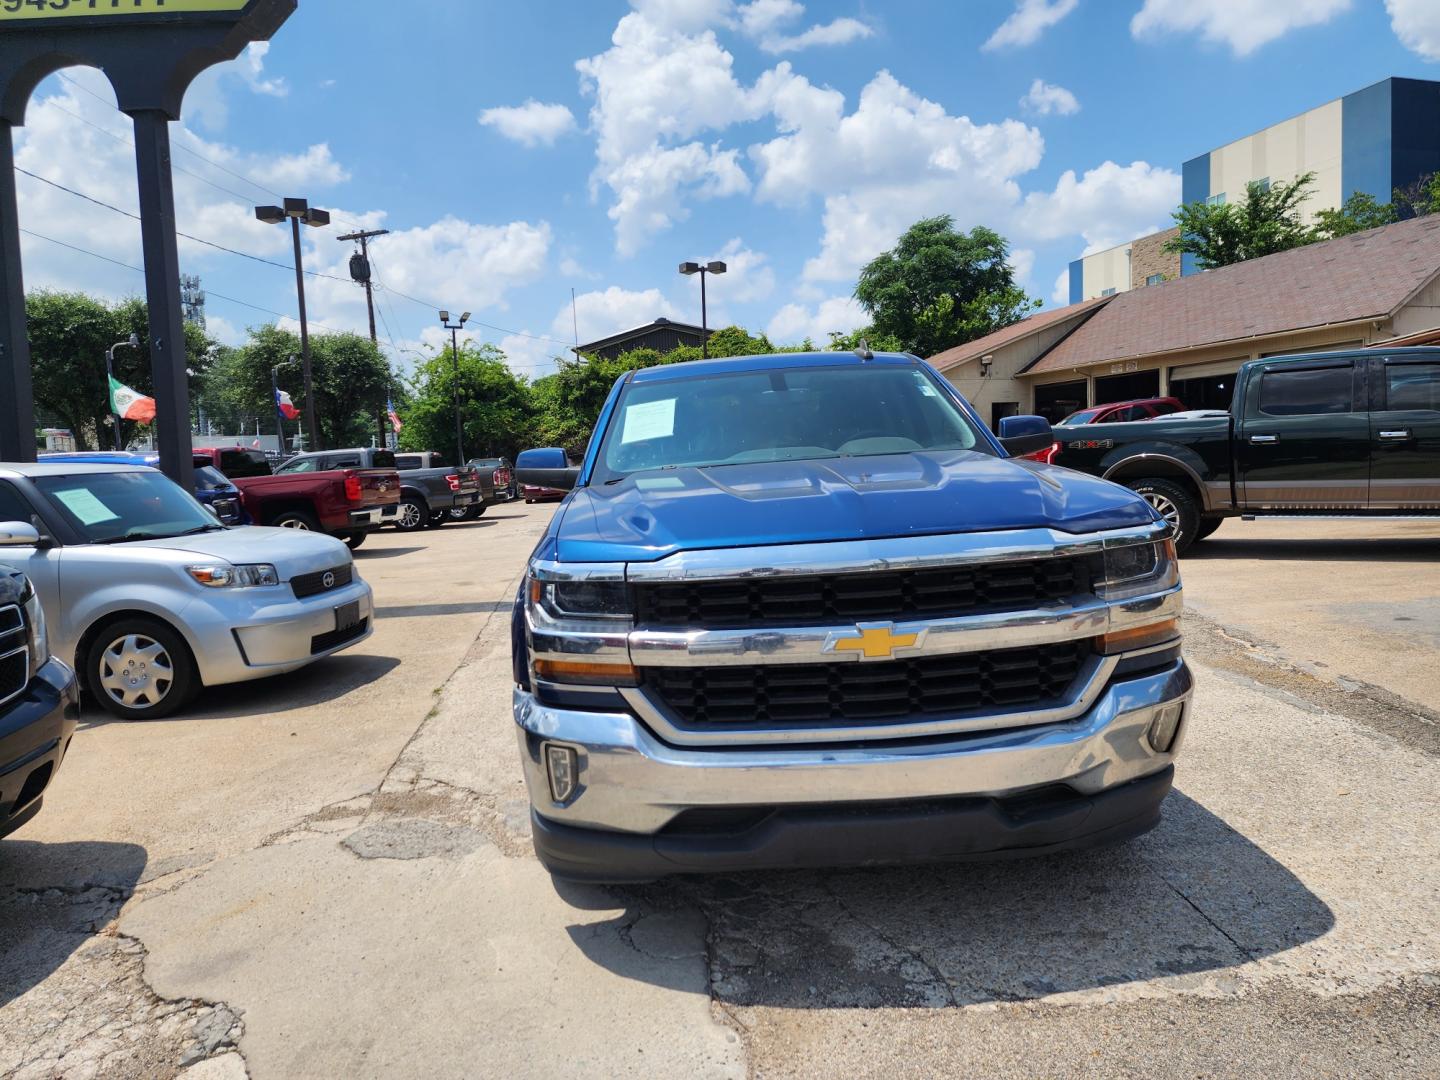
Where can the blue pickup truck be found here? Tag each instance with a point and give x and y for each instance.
(806, 610)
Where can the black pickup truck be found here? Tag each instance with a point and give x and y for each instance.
(1318, 435)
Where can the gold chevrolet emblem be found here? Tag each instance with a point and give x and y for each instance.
(873, 641)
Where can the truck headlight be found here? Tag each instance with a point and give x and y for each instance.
(39, 638)
(582, 599)
(225, 576)
(1132, 569)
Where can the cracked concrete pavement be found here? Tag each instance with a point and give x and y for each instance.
(338, 874)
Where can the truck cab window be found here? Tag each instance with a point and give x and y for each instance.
(1307, 391)
(1412, 386)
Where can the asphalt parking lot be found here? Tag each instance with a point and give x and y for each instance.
(329, 874)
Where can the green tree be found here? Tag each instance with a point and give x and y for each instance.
(69, 333)
(1360, 211)
(1265, 222)
(940, 287)
(1417, 198)
(496, 407)
(350, 376)
(736, 341)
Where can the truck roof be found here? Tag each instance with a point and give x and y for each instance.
(732, 365)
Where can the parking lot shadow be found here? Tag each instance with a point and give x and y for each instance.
(1192, 897)
(368, 554)
(53, 899)
(1421, 549)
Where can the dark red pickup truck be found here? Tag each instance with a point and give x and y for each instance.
(348, 503)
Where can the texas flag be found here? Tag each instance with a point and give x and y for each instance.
(284, 406)
(130, 404)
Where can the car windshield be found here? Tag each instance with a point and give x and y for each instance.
(781, 415)
(208, 478)
(1084, 416)
(112, 508)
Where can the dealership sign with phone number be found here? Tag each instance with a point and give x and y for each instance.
(16, 12)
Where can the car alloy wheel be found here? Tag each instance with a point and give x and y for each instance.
(459, 513)
(1165, 508)
(295, 523)
(411, 516)
(136, 671)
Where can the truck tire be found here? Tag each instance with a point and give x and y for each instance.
(296, 519)
(414, 514)
(355, 540)
(1207, 526)
(139, 669)
(1172, 502)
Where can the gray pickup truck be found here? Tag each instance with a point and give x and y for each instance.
(429, 488)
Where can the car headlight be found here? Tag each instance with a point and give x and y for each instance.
(39, 639)
(1132, 569)
(582, 599)
(225, 576)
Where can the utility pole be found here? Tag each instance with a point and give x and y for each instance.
(360, 271)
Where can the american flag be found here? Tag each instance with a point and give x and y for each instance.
(394, 417)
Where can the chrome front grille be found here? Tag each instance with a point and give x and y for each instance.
(800, 696)
(14, 653)
(938, 592)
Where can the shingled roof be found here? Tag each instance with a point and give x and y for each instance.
(1014, 332)
(1368, 275)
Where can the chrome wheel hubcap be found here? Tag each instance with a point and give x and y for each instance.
(136, 671)
(409, 516)
(295, 523)
(1165, 508)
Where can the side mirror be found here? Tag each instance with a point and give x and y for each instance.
(18, 534)
(1021, 435)
(559, 477)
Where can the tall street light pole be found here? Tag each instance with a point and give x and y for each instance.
(134, 343)
(300, 212)
(455, 329)
(689, 268)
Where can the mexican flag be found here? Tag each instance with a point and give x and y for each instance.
(129, 404)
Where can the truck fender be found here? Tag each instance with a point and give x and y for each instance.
(1158, 459)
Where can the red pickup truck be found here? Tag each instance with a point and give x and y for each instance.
(349, 503)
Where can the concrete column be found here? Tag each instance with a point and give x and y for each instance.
(17, 396)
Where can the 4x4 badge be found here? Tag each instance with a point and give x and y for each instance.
(874, 641)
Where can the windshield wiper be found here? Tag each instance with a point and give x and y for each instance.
(137, 537)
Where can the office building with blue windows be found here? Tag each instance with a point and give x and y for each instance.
(1378, 139)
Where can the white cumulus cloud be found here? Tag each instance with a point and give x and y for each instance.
(1108, 205)
(1028, 21)
(1417, 24)
(793, 323)
(1243, 25)
(1046, 98)
(768, 23)
(531, 124)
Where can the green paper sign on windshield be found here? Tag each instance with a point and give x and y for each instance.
(14, 12)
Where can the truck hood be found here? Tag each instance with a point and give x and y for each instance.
(290, 551)
(654, 514)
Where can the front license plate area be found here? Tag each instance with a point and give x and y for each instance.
(347, 617)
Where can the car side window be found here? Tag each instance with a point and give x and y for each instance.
(1412, 386)
(299, 465)
(1308, 391)
(13, 505)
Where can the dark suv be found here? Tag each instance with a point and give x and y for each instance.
(39, 702)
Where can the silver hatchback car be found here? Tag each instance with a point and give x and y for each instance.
(153, 599)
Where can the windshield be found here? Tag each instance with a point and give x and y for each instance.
(1084, 416)
(781, 415)
(208, 478)
(108, 508)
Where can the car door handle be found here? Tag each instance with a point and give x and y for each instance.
(1395, 436)
(1264, 440)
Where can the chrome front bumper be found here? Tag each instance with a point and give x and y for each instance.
(630, 781)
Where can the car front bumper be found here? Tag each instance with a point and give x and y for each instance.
(644, 809)
(35, 731)
(251, 635)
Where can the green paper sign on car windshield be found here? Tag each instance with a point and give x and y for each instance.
(28, 12)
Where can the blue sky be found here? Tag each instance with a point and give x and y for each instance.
(520, 151)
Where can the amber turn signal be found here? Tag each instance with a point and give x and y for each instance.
(1139, 637)
(575, 671)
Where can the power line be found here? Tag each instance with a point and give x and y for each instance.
(140, 270)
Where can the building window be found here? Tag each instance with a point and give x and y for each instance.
(1216, 200)
(1263, 183)
(1154, 279)
(1108, 292)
